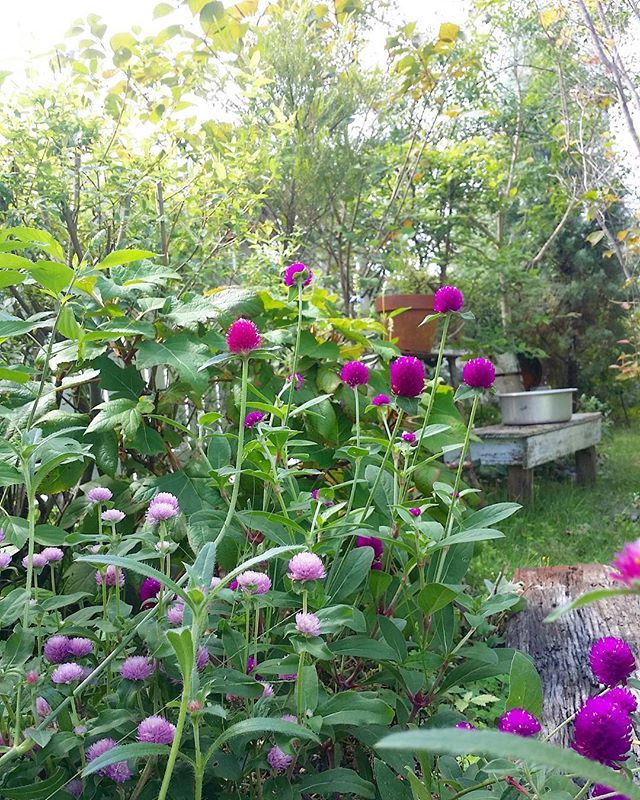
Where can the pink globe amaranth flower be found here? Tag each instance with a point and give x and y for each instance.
(43, 709)
(371, 541)
(407, 376)
(112, 515)
(56, 649)
(381, 400)
(627, 564)
(297, 380)
(5, 560)
(479, 373)
(602, 731)
(409, 437)
(160, 512)
(621, 696)
(253, 418)
(110, 576)
(215, 581)
(307, 624)
(157, 730)
(243, 337)
(267, 690)
(149, 589)
(78, 647)
(612, 660)
(118, 772)
(415, 511)
(99, 494)
(254, 582)
(306, 567)
(292, 272)
(175, 613)
(167, 497)
(354, 373)
(278, 759)
(289, 718)
(447, 298)
(465, 726)
(39, 561)
(67, 673)
(202, 657)
(52, 554)
(137, 668)
(74, 787)
(32, 677)
(519, 721)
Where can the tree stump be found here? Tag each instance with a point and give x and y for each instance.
(560, 650)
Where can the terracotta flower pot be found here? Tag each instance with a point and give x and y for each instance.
(412, 339)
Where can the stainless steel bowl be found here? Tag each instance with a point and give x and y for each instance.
(536, 408)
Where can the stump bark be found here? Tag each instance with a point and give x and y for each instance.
(560, 649)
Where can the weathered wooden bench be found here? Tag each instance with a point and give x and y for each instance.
(521, 448)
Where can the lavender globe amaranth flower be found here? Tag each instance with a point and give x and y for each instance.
(149, 589)
(202, 657)
(38, 560)
(67, 673)
(43, 709)
(354, 373)
(137, 668)
(612, 660)
(75, 787)
(56, 649)
(167, 497)
(253, 418)
(289, 718)
(118, 772)
(407, 376)
(306, 567)
(626, 564)
(252, 582)
(243, 337)
(297, 272)
(520, 722)
(160, 512)
(110, 576)
(175, 613)
(267, 690)
(479, 373)
(602, 731)
(79, 647)
(99, 494)
(381, 400)
(307, 624)
(156, 730)
(278, 759)
(52, 554)
(112, 515)
(5, 560)
(448, 298)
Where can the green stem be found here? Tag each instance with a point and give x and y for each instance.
(358, 460)
(175, 747)
(385, 458)
(299, 686)
(199, 771)
(31, 500)
(296, 352)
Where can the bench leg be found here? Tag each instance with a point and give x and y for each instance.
(520, 484)
(586, 464)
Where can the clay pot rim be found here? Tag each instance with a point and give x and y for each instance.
(394, 301)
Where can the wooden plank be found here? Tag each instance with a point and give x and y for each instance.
(520, 484)
(555, 444)
(525, 431)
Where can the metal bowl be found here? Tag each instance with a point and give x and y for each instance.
(539, 407)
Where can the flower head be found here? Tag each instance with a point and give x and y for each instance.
(519, 721)
(407, 376)
(447, 298)
(289, 676)
(74, 787)
(354, 373)
(157, 730)
(137, 668)
(278, 759)
(620, 696)
(381, 400)
(306, 567)
(627, 564)
(78, 647)
(479, 373)
(175, 613)
(167, 497)
(149, 589)
(160, 512)
(599, 789)
(99, 494)
(297, 380)
(289, 718)
(43, 709)
(38, 561)
(243, 336)
(602, 731)
(5, 560)
(110, 576)
(31, 677)
(307, 624)
(118, 772)
(112, 515)
(56, 649)
(376, 544)
(297, 272)
(408, 436)
(67, 673)
(415, 511)
(267, 690)
(52, 554)
(253, 418)
(254, 582)
(202, 657)
(612, 660)
(465, 726)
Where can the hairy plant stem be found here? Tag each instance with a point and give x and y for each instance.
(299, 686)
(358, 459)
(296, 353)
(199, 770)
(175, 746)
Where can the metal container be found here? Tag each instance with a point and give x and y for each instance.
(536, 408)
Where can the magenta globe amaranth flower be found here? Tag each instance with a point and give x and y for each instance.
(253, 418)
(415, 511)
(243, 337)
(306, 567)
(612, 660)
(602, 731)
(599, 790)
(56, 649)
(278, 759)
(307, 624)
(52, 554)
(297, 380)
(519, 721)
(99, 494)
(627, 564)
(408, 436)
(448, 298)
(479, 373)
(354, 373)
(118, 772)
(79, 647)
(407, 376)
(465, 726)
(377, 545)
(621, 696)
(110, 576)
(381, 400)
(67, 673)
(5, 560)
(149, 589)
(297, 272)
(156, 730)
(137, 668)
(254, 582)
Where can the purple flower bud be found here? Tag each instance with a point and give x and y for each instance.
(160, 511)
(627, 564)
(74, 787)
(297, 379)
(267, 690)
(43, 709)
(137, 668)
(519, 721)
(479, 373)
(110, 576)
(289, 718)
(243, 337)
(297, 272)
(409, 437)
(79, 647)
(447, 298)
(118, 772)
(407, 376)
(602, 731)
(415, 511)
(612, 660)
(202, 658)
(354, 373)
(381, 400)
(56, 649)
(465, 726)
(278, 759)
(99, 494)
(253, 418)
(157, 730)
(32, 677)
(376, 544)
(149, 589)
(67, 673)
(112, 515)
(5, 560)
(39, 561)
(175, 614)
(600, 789)
(622, 697)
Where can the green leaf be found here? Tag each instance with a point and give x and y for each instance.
(388, 784)
(585, 599)
(310, 688)
(353, 570)
(525, 686)
(17, 375)
(258, 726)
(119, 257)
(124, 753)
(11, 278)
(121, 382)
(52, 275)
(494, 744)
(68, 324)
(182, 643)
(104, 446)
(40, 789)
(488, 516)
(340, 781)
(435, 596)
(121, 412)
(18, 648)
(9, 476)
(148, 441)
(363, 647)
(182, 352)
(477, 535)
(393, 636)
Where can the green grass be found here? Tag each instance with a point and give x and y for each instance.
(566, 523)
